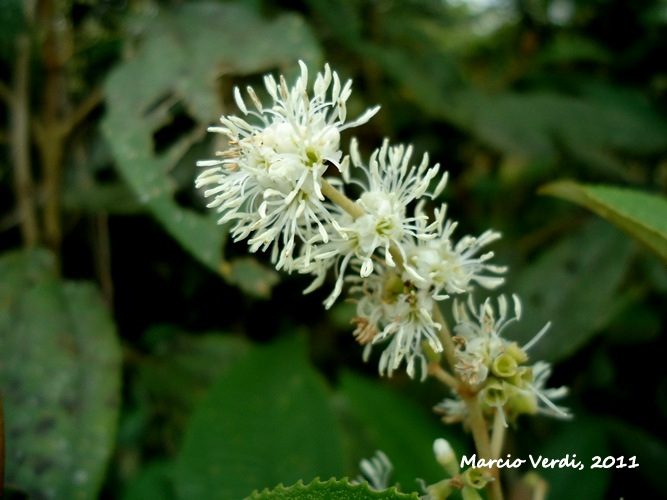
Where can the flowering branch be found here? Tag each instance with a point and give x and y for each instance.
(400, 262)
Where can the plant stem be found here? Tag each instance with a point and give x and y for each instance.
(443, 376)
(469, 395)
(341, 200)
(497, 435)
(20, 144)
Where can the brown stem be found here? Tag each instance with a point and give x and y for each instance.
(6, 93)
(469, 395)
(443, 376)
(24, 185)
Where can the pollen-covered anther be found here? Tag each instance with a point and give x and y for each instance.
(365, 332)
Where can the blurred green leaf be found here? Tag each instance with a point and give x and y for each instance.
(178, 372)
(580, 440)
(60, 375)
(267, 421)
(642, 215)
(112, 198)
(537, 124)
(12, 21)
(252, 277)
(650, 452)
(398, 427)
(569, 48)
(185, 50)
(573, 284)
(153, 482)
(331, 489)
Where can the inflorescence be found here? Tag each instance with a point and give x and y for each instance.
(395, 250)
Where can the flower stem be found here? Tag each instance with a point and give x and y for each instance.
(443, 376)
(341, 200)
(497, 435)
(469, 395)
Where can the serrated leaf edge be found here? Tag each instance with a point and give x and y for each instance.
(344, 482)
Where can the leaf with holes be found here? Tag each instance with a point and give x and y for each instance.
(60, 376)
(184, 51)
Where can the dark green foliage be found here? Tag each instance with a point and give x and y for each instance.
(219, 397)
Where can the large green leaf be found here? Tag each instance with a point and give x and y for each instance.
(185, 50)
(400, 428)
(578, 442)
(60, 377)
(642, 215)
(267, 421)
(649, 450)
(573, 284)
(177, 373)
(331, 489)
(592, 127)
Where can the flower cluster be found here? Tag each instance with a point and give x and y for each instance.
(269, 181)
(496, 367)
(391, 241)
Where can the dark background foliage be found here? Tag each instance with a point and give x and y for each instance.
(136, 342)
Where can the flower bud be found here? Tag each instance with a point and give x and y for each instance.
(445, 456)
(494, 393)
(504, 366)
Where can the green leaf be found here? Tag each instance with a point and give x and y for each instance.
(331, 489)
(268, 420)
(642, 215)
(574, 285)
(649, 449)
(60, 374)
(538, 124)
(251, 276)
(152, 481)
(178, 372)
(184, 51)
(585, 438)
(400, 428)
(12, 22)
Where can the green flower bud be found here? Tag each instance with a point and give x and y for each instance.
(522, 402)
(393, 287)
(516, 352)
(494, 394)
(440, 490)
(476, 477)
(504, 366)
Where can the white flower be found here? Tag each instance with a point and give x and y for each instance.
(393, 310)
(496, 366)
(269, 180)
(391, 185)
(541, 372)
(439, 264)
(385, 227)
(479, 338)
